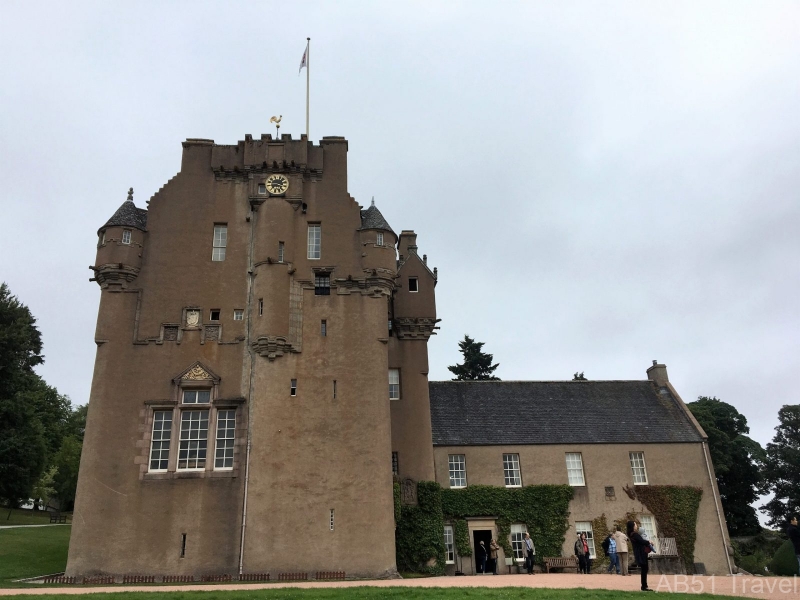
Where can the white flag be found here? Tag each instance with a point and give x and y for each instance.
(303, 62)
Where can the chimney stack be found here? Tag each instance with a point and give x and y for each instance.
(658, 373)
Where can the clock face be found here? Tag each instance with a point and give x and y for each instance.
(277, 184)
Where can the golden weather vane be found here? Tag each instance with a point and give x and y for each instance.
(277, 121)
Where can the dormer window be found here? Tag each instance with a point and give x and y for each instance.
(126, 236)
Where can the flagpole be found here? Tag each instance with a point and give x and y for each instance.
(308, 79)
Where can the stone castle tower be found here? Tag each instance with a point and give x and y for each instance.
(240, 419)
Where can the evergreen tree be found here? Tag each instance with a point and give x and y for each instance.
(782, 471)
(477, 365)
(737, 459)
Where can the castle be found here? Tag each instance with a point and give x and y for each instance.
(240, 419)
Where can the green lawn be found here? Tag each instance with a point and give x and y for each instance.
(32, 551)
(19, 516)
(374, 593)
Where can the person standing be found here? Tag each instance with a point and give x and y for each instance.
(493, 549)
(612, 555)
(622, 550)
(482, 558)
(582, 552)
(641, 548)
(530, 552)
(794, 534)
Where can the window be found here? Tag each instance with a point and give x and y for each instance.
(331, 519)
(458, 470)
(314, 241)
(586, 527)
(322, 284)
(214, 314)
(159, 445)
(260, 307)
(334, 389)
(226, 428)
(126, 236)
(293, 389)
(413, 284)
(262, 188)
(394, 384)
(238, 314)
(449, 546)
(575, 469)
(220, 242)
(196, 396)
(194, 440)
(647, 528)
(518, 541)
(638, 468)
(280, 251)
(511, 470)
(102, 238)
(395, 464)
(379, 241)
(323, 328)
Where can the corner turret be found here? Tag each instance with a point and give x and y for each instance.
(119, 245)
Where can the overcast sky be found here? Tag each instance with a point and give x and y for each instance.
(600, 184)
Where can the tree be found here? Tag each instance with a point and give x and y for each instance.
(67, 462)
(738, 462)
(477, 365)
(23, 446)
(782, 472)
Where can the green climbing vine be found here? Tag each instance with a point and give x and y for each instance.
(675, 508)
(544, 509)
(600, 532)
(461, 534)
(419, 538)
(398, 507)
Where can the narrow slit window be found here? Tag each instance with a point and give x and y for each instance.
(314, 241)
(323, 328)
(183, 545)
(331, 519)
(293, 389)
(395, 464)
(126, 236)
(379, 241)
(260, 307)
(280, 251)
(334, 389)
(102, 238)
(413, 284)
(220, 243)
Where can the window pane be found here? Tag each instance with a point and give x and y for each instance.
(394, 384)
(194, 439)
(220, 242)
(226, 428)
(322, 284)
(511, 470)
(126, 236)
(638, 468)
(314, 241)
(648, 529)
(586, 527)
(159, 445)
(449, 545)
(458, 471)
(518, 541)
(575, 468)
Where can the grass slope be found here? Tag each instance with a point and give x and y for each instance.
(19, 516)
(32, 551)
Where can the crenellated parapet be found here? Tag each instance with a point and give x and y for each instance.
(411, 328)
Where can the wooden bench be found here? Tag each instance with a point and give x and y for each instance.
(560, 562)
(57, 517)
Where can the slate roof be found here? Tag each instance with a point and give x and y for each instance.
(128, 215)
(485, 413)
(373, 219)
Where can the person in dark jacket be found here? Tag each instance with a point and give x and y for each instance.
(641, 549)
(794, 534)
(582, 552)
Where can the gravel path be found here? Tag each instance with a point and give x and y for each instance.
(772, 588)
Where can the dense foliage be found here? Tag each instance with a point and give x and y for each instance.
(784, 562)
(675, 508)
(477, 365)
(419, 537)
(782, 471)
(544, 509)
(738, 462)
(40, 434)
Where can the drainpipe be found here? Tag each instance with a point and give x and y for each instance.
(716, 506)
(251, 352)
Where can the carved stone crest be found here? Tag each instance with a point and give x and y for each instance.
(408, 491)
(197, 373)
(192, 318)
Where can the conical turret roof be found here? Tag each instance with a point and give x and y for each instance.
(373, 219)
(128, 215)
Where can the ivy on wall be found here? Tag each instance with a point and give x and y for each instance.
(544, 509)
(398, 507)
(600, 531)
(461, 534)
(675, 508)
(419, 536)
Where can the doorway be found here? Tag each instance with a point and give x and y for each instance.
(478, 536)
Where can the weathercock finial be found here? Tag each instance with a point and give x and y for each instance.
(130, 194)
(277, 121)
